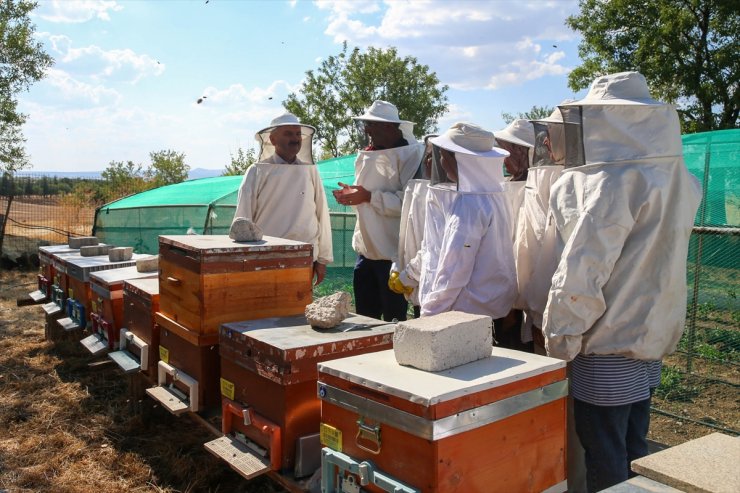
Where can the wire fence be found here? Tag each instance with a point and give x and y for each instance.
(700, 381)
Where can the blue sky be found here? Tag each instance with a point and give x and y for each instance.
(127, 74)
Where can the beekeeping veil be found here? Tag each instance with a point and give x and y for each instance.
(267, 149)
(619, 121)
(479, 162)
(549, 139)
(382, 111)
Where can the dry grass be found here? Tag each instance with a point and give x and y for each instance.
(67, 427)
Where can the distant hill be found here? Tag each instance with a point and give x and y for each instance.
(195, 173)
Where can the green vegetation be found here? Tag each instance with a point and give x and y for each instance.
(677, 386)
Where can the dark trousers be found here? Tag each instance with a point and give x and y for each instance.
(612, 437)
(372, 296)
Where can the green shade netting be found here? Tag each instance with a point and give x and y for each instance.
(204, 206)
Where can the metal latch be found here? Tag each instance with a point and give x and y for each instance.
(369, 434)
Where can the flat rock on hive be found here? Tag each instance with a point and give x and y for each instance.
(81, 241)
(243, 229)
(120, 254)
(443, 341)
(329, 311)
(150, 263)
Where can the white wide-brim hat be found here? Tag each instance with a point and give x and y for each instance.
(623, 88)
(520, 132)
(468, 138)
(381, 111)
(284, 120)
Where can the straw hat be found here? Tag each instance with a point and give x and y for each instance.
(623, 88)
(468, 138)
(520, 132)
(381, 111)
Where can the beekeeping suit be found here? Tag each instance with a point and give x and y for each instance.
(287, 200)
(520, 133)
(624, 208)
(534, 243)
(467, 257)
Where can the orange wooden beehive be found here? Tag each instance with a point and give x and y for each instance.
(205, 281)
(494, 425)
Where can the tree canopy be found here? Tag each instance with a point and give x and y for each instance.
(240, 162)
(167, 167)
(687, 50)
(22, 62)
(346, 84)
(536, 113)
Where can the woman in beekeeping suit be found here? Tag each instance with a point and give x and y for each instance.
(624, 209)
(467, 257)
(283, 193)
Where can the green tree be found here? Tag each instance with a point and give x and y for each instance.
(167, 167)
(240, 162)
(536, 113)
(687, 50)
(121, 179)
(346, 84)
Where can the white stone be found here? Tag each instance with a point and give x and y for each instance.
(94, 250)
(329, 311)
(120, 254)
(443, 341)
(150, 263)
(243, 229)
(81, 241)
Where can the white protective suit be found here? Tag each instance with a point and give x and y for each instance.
(413, 213)
(624, 219)
(467, 258)
(514, 191)
(384, 174)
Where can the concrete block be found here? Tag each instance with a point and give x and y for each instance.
(150, 263)
(94, 250)
(706, 464)
(120, 254)
(81, 241)
(443, 341)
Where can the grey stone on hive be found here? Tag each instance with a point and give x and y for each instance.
(94, 250)
(443, 341)
(81, 241)
(243, 229)
(120, 254)
(329, 311)
(150, 263)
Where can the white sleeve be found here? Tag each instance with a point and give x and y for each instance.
(246, 201)
(326, 252)
(576, 300)
(388, 203)
(464, 230)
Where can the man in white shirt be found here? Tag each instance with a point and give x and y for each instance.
(283, 193)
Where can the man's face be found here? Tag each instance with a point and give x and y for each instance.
(287, 141)
(382, 134)
(449, 164)
(518, 159)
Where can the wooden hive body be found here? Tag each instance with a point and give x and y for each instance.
(140, 303)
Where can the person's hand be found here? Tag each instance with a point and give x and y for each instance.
(351, 194)
(319, 272)
(395, 284)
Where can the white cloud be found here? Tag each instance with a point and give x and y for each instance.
(469, 44)
(77, 11)
(71, 89)
(238, 94)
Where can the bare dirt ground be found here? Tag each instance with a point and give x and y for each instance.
(67, 427)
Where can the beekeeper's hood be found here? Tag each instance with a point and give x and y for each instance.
(619, 121)
(479, 162)
(521, 133)
(267, 149)
(383, 111)
(549, 139)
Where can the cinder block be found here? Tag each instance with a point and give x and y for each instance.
(149, 263)
(82, 241)
(120, 254)
(443, 341)
(94, 250)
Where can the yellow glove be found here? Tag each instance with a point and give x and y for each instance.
(395, 285)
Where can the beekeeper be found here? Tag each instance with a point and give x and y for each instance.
(624, 208)
(406, 267)
(382, 171)
(283, 193)
(518, 139)
(467, 257)
(534, 244)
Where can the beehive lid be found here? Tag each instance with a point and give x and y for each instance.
(219, 244)
(81, 267)
(146, 287)
(379, 371)
(105, 281)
